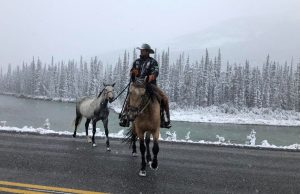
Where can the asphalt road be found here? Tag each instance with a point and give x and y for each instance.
(62, 161)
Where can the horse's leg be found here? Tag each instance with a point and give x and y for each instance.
(147, 139)
(142, 149)
(77, 121)
(155, 150)
(94, 131)
(133, 140)
(87, 130)
(105, 124)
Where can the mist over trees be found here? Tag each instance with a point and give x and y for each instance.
(188, 84)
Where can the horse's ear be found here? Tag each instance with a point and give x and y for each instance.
(104, 84)
(113, 85)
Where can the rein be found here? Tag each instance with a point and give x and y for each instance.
(121, 92)
(140, 110)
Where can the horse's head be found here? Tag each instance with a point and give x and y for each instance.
(108, 92)
(137, 96)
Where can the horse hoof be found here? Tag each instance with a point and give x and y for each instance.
(153, 166)
(94, 145)
(134, 154)
(89, 140)
(74, 135)
(149, 160)
(142, 173)
(108, 149)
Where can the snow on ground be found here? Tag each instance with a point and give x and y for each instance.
(171, 136)
(248, 116)
(225, 114)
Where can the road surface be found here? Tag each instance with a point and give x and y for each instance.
(41, 162)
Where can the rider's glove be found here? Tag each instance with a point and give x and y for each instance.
(134, 72)
(151, 78)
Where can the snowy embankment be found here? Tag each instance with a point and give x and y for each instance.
(256, 116)
(227, 114)
(171, 137)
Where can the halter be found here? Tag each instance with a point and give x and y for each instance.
(107, 92)
(104, 92)
(139, 110)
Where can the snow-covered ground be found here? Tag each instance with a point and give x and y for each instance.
(247, 116)
(226, 114)
(171, 136)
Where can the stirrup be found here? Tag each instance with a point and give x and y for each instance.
(124, 123)
(165, 125)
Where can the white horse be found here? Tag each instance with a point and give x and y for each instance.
(95, 109)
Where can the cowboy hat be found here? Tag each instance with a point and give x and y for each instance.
(146, 47)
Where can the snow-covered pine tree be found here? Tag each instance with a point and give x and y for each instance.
(79, 77)
(266, 83)
(186, 90)
(63, 87)
(124, 75)
(290, 96)
(71, 81)
(195, 79)
(210, 83)
(204, 100)
(297, 84)
(37, 78)
(100, 77)
(93, 77)
(218, 80)
(117, 77)
(51, 88)
(134, 55)
(18, 81)
(32, 77)
(162, 72)
(247, 84)
(86, 81)
(201, 94)
(1, 79)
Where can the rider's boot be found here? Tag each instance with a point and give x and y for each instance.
(168, 120)
(165, 122)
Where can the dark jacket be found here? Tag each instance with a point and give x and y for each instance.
(146, 66)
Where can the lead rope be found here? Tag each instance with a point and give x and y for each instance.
(123, 106)
(122, 92)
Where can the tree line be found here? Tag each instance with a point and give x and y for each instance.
(188, 84)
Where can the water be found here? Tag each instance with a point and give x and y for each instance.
(19, 112)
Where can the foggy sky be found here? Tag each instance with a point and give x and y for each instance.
(67, 29)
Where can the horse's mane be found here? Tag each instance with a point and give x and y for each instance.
(150, 88)
(100, 93)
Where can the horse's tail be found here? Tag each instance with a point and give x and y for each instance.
(130, 137)
(78, 117)
(74, 121)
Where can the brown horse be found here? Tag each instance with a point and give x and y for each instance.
(144, 113)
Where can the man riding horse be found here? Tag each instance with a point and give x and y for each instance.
(146, 67)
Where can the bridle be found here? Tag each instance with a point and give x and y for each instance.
(106, 92)
(139, 110)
